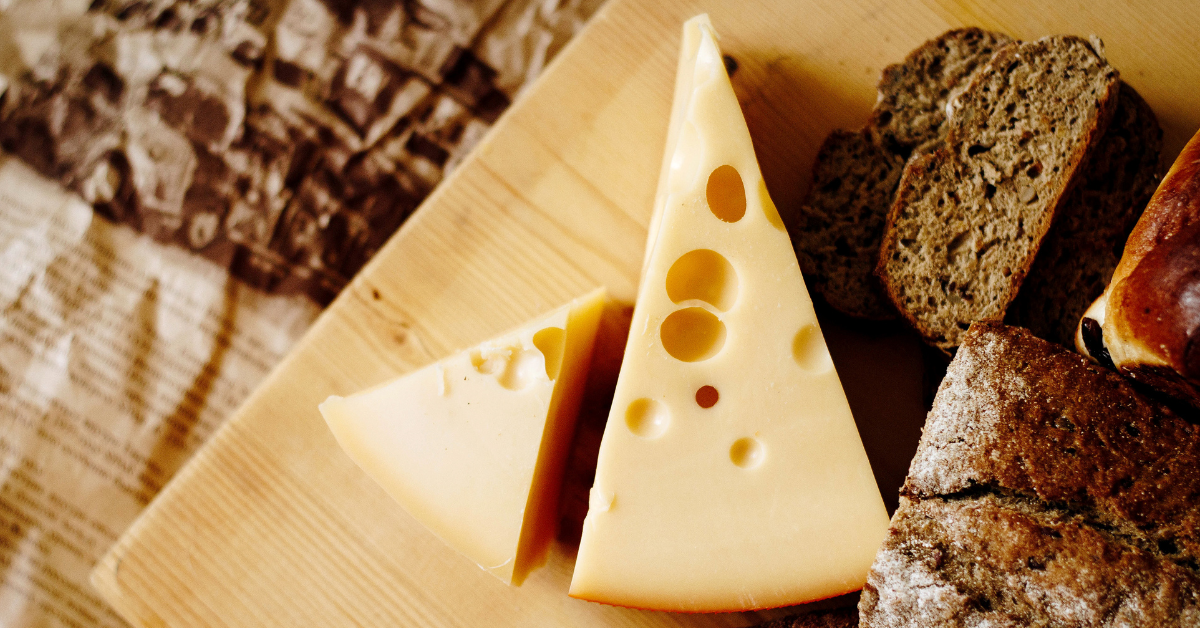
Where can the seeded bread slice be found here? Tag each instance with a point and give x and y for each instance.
(1045, 491)
(838, 229)
(840, 224)
(1083, 248)
(970, 216)
(910, 110)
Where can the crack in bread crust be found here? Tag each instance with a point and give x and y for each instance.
(1045, 491)
(981, 561)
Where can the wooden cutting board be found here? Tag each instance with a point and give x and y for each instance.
(271, 525)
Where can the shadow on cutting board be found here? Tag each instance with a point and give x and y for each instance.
(890, 377)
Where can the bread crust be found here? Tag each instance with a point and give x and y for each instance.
(1147, 322)
(1174, 206)
(940, 299)
(855, 175)
(910, 109)
(1045, 491)
(1077, 258)
(1156, 294)
(838, 227)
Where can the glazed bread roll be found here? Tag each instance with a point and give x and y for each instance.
(1147, 322)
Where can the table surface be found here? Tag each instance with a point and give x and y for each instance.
(271, 524)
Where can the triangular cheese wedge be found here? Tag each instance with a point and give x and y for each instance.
(731, 475)
(474, 446)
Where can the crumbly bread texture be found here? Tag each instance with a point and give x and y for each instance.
(838, 229)
(840, 224)
(910, 110)
(996, 562)
(1046, 491)
(1086, 241)
(836, 618)
(970, 215)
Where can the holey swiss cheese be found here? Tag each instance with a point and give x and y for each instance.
(731, 475)
(474, 446)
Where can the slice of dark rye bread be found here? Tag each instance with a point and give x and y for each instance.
(1087, 239)
(1045, 491)
(970, 215)
(855, 174)
(838, 229)
(910, 109)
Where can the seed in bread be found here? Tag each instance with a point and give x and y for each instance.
(1085, 243)
(970, 216)
(1045, 491)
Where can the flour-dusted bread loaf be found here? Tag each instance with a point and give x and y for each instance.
(910, 110)
(1045, 491)
(839, 227)
(970, 215)
(1084, 245)
(1147, 322)
(840, 224)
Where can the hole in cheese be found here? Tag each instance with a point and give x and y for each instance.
(647, 418)
(491, 362)
(692, 334)
(707, 396)
(514, 368)
(747, 453)
(808, 347)
(726, 194)
(704, 275)
(525, 368)
(550, 341)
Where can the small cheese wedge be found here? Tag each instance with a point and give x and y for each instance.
(731, 475)
(474, 446)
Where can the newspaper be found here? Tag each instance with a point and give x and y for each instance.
(190, 182)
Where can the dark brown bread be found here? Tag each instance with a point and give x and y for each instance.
(992, 561)
(910, 110)
(970, 216)
(1046, 491)
(1084, 245)
(838, 229)
(840, 224)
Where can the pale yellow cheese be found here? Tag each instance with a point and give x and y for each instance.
(731, 475)
(474, 446)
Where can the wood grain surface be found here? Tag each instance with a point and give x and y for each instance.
(271, 525)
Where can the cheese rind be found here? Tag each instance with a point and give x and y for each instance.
(474, 446)
(763, 497)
